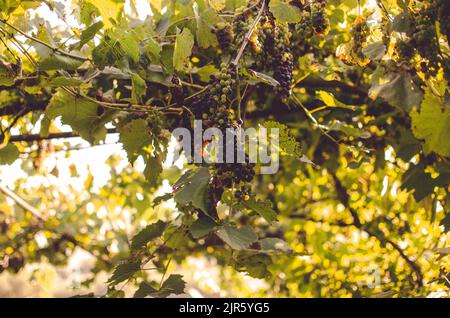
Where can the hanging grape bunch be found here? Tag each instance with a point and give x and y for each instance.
(443, 13)
(213, 105)
(318, 17)
(225, 36)
(424, 39)
(359, 33)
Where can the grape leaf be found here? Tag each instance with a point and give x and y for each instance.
(145, 289)
(60, 62)
(202, 227)
(123, 272)
(149, 233)
(172, 285)
(138, 88)
(375, 51)
(78, 113)
(8, 154)
(432, 124)
(109, 10)
(60, 81)
(285, 12)
(89, 33)
(255, 265)
(134, 136)
(153, 169)
(397, 89)
(288, 144)
(237, 238)
(153, 50)
(183, 48)
(275, 244)
(194, 189)
(205, 22)
(263, 208)
(260, 77)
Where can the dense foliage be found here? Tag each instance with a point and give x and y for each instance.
(358, 89)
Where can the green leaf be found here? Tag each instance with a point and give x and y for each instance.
(260, 77)
(237, 238)
(275, 244)
(375, 51)
(205, 22)
(138, 88)
(255, 265)
(432, 124)
(263, 208)
(206, 71)
(134, 136)
(78, 113)
(123, 272)
(107, 53)
(60, 62)
(153, 50)
(174, 285)
(8, 154)
(397, 89)
(162, 198)
(130, 46)
(183, 48)
(284, 12)
(145, 289)
(288, 143)
(153, 169)
(415, 178)
(202, 227)
(60, 81)
(194, 189)
(88, 34)
(348, 129)
(149, 233)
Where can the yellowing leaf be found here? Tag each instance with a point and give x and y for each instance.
(156, 4)
(183, 48)
(217, 5)
(109, 10)
(432, 124)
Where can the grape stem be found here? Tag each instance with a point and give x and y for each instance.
(249, 34)
(53, 48)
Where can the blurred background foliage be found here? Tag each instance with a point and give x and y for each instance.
(363, 212)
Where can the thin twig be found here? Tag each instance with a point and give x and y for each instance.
(21, 202)
(249, 33)
(51, 47)
(62, 135)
